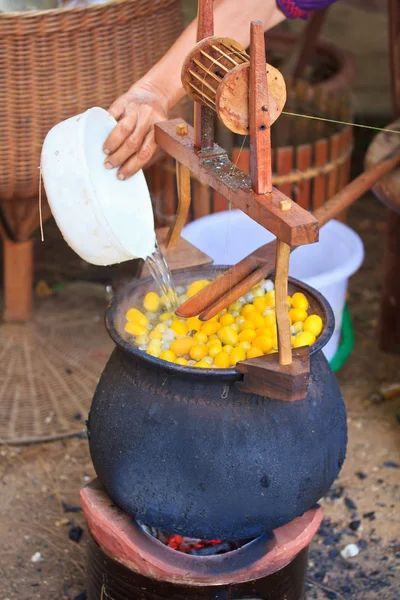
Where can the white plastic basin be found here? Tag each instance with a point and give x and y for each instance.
(104, 220)
(229, 236)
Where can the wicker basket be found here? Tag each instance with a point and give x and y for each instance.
(55, 64)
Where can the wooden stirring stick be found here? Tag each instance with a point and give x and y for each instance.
(258, 265)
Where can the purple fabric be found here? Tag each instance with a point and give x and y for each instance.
(301, 9)
(314, 4)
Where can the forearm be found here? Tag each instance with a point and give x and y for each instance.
(231, 18)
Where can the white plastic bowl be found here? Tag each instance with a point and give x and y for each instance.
(104, 220)
(229, 236)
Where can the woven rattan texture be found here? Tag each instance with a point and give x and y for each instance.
(49, 367)
(57, 63)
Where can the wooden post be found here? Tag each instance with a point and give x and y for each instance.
(183, 185)
(261, 178)
(259, 119)
(281, 303)
(18, 280)
(389, 327)
(394, 52)
(203, 116)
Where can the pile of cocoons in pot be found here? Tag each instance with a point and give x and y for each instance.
(246, 329)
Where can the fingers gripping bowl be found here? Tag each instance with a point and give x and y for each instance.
(184, 450)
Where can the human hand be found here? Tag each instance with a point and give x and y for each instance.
(131, 144)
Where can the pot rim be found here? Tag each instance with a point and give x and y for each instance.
(217, 374)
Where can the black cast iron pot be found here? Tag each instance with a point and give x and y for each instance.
(183, 450)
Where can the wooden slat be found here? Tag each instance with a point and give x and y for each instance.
(320, 182)
(301, 126)
(344, 169)
(319, 104)
(333, 177)
(284, 164)
(303, 162)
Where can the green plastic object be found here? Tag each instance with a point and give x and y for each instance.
(346, 343)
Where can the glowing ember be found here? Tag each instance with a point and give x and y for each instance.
(195, 547)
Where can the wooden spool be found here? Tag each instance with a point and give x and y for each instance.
(216, 75)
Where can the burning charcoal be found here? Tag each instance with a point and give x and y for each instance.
(351, 505)
(325, 528)
(332, 539)
(391, 464)
(335, 493)
(212, 550)
(320, 575)
(346, 589)
(193, 546)
(75, 533)
(69, 508)
(361, 475)
(354, 525)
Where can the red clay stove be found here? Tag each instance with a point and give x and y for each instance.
(128, 563)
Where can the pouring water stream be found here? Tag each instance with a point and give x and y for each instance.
(162, 275)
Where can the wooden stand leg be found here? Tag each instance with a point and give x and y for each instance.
(183, 185)
(389, 330)
(389, 326)
(18, 280)
(281, 303)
